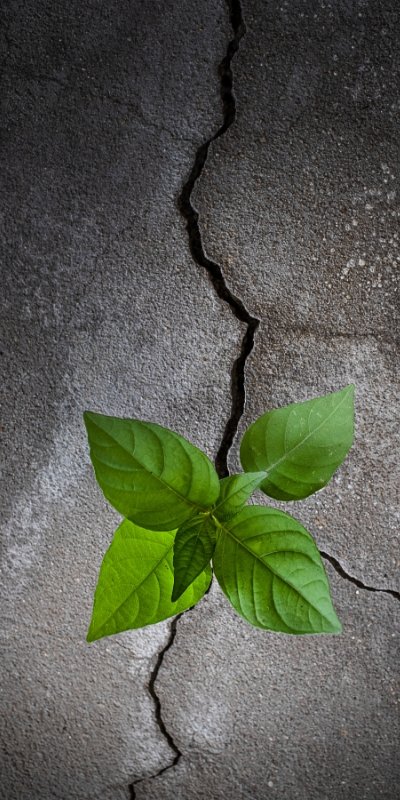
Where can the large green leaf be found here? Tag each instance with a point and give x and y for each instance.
(300, 446)
(235, 492)
(270, 569)
(150, 474)
(135, 582)
(193, 549)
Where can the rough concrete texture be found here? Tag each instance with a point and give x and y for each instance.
(104, 107)
(273, 716)
(102, 308)
(300, 205)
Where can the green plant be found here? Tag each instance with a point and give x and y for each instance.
(180, 517)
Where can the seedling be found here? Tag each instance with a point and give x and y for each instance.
(179, 517)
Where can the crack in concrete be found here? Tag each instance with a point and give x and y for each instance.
(240, 312)
(198, 252)
(157, 707)
(356, 581)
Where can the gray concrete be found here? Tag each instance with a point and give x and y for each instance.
(273, 716)
(300, 205)
(103, 308)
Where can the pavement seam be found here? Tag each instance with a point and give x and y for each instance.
(356, 581)
(240, 312)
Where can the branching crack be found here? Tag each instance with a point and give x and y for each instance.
(240, 312)
(343, 574)
(238, 395)
(197, 250)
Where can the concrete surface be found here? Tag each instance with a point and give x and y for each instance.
(299, 203)
(102, 308)
(104, 106)
(272, 716)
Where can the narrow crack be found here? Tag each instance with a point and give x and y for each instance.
(238, 394)
(240, 312)
(197, 249)
(157, 708)
(356, 581)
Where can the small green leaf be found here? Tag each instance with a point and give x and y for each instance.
(135, 582)
(300, 446)
(193, 549)
(271, 571)
(235, 492)
(150, 474)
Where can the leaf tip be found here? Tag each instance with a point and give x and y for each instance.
(350, 389)
(94, 632)
(335, 626)
(87, 419)
(339, 626)
(91, 636)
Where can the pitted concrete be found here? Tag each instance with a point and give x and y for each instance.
(276, 716)
(105, 309)
(102, 308)
(300, 205)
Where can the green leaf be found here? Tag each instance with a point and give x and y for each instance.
(300, 446)
(148, 473)
(235, 492)
(193, 548)
(135, 582)
(271, 571)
